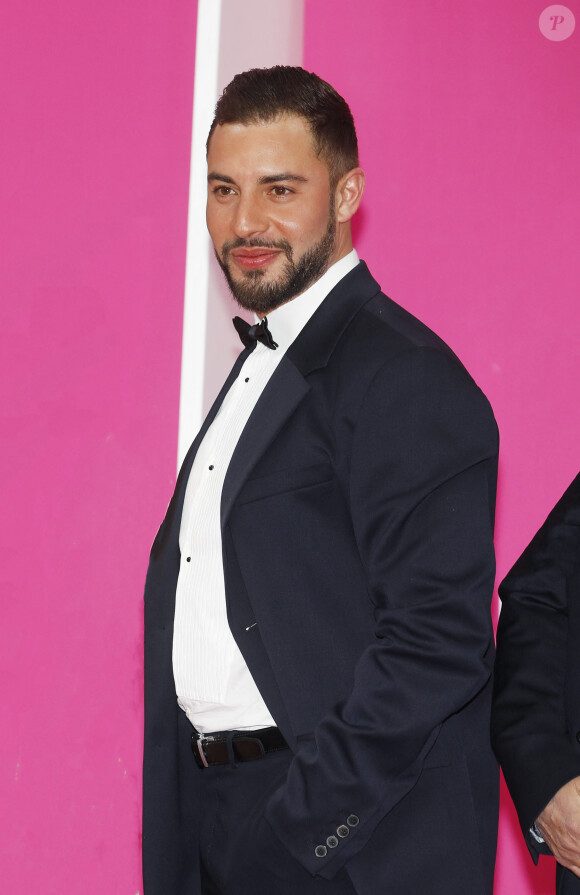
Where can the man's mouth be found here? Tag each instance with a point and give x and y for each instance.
(253, 258)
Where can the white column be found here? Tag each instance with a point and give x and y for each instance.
(205, 89)
(231, 37)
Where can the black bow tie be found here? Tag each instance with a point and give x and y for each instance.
(259, 332)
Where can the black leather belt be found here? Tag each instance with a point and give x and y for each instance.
(212, 749)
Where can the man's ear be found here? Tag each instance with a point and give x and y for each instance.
(349, 192)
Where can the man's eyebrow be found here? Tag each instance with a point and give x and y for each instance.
(276, 178)
(266, 179)
(213, 175)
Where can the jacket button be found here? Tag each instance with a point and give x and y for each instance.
(343, 831)
(332, 841)
(352, 820)
(320, 851)
(578, 736)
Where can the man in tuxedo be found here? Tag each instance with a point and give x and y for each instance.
(536, 713)
(318, 647)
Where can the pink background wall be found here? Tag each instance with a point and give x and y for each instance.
(94, 167)
(470, 136)
(468, 124)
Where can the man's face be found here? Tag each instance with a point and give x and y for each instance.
(270, 210)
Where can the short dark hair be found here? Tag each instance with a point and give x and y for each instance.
(264, 94)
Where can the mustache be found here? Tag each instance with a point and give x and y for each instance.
(282, 244)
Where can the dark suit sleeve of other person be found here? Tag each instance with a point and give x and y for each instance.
(421, 471)
(536, 714)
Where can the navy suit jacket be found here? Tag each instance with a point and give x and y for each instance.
(536, 714)
(357, 524)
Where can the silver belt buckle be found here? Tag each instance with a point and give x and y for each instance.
(200, 741)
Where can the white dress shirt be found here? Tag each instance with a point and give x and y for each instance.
(213, 683)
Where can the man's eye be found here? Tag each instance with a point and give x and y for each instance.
(223, 191)
(280, 191)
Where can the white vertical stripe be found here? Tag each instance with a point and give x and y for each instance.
(198, 244)
(228, 41)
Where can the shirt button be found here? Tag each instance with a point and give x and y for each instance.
(188, 559)
(343, 831)
(352, 820)
(211, 467)
(321, 851)
(247, 379)
(332, 841)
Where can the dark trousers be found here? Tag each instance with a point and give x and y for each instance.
(566, 882)
(240, 855)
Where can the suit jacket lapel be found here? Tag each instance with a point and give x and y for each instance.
(313, 348)
(288, 386)
(169, 530)
(279, 399)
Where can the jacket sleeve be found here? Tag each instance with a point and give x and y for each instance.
(530, 729)
(422, 494)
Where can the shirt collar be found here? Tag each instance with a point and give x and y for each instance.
(288, 320)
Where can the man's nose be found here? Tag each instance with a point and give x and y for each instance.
(250, 218)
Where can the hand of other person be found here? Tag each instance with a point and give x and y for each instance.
(559, 824)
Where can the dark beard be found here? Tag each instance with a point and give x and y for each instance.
(253, 295)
